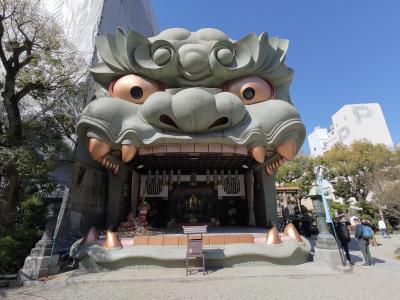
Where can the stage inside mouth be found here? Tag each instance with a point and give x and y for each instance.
(211, 230)
(223, 235)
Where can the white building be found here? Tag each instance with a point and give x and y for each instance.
(361, 121)
(353, 122)
(317, 141)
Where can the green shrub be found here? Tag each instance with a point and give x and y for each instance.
(368, 217)
(368, 210)
(10, 250)
(32, 212)
(341, 208)
(16, 243)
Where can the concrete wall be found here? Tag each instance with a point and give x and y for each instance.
(88, 198)
(265, 205)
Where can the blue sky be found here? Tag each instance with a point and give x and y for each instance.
(342, 52)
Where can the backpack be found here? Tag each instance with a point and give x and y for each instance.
(367, 232)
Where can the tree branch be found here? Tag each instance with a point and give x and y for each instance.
(2, 54)
(31, 86)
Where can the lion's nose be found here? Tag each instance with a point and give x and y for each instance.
(194, 110)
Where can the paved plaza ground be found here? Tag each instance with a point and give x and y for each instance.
(306, 281)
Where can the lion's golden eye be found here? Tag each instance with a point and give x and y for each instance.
(252, 89)
(134, 88)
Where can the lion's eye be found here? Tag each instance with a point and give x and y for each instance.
(134, 88)
(136, 92)
(250, 89)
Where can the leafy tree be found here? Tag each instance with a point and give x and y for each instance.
(352, 164)
(299, 172)
(369, 211)
(343, 188)
(339, 207)
(38, 89)
(41, 99)
(355, 170)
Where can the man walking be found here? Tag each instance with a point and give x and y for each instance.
(363, 235)
(343, 235)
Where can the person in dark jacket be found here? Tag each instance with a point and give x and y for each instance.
(343, 235)
(306, 224)
(362, 242)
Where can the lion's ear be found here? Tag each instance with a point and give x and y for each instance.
(116, 51)
(251, 42)
(116, 54)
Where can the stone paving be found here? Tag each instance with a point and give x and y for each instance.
(306, 281)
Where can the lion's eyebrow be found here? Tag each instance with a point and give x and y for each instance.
(159, 58)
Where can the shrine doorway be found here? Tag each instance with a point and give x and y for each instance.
(193, 204)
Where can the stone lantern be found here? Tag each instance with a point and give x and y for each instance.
(326, 248)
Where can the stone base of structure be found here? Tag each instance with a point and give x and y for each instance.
(228, 250)
(38, 267)
(330, 257)
(39, 263)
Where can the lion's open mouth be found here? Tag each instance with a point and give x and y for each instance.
(198, 157)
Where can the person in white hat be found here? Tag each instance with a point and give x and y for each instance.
(382, 228)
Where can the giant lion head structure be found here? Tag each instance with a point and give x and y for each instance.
(201, 88)
(195, 126)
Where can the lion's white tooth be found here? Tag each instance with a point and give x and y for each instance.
(128, 152)
(98, 149)
(269, 170)
(258, 153)
(115, 170)
(287, 149)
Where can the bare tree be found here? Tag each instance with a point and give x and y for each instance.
(385, 186)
